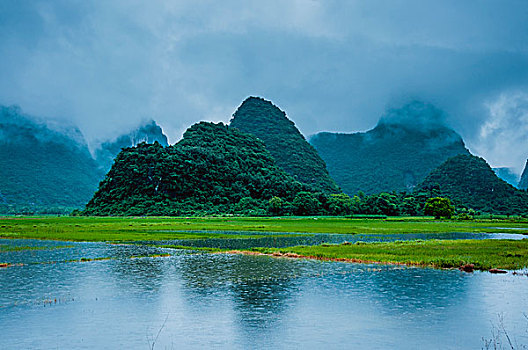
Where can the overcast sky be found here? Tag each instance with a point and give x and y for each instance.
(331, 65)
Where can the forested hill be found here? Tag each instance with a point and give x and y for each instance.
(523, 182)
(214, 169)
(43, 170)
(284, 141)
(470, 182)
(396, 155)
(148, 132)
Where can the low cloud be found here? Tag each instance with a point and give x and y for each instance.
(331, 65)
(503, 137)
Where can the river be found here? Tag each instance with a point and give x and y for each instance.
(197, 300)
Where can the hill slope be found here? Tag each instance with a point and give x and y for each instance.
(470, 182)
(523, 182)
(283, 140)
(149, 132)
(507, 175)
(42, 170)
(396, 155)
(213, 169)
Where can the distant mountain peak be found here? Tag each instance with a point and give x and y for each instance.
(406, 144)
(44, 169)
(415, 115)
(284, 141)
(213, 168)
(148, 131)
(471, 183)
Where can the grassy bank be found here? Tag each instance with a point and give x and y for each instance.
(483, 254)
(159, 228)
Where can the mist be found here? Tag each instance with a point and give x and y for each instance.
(331, 65)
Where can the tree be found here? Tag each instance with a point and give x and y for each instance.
(439, 207)
(275, 205)
(339, 204)
(383, 203)
(305, 203)
(409, 206)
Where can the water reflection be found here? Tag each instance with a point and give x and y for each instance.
(411, 290)
(235, 301)
(139, 274)
(281, 240)
(261, 289)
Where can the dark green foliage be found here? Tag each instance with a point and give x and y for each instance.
(306, 203)
(523, 182)
(214, 169)
(276, 206)
(384, 203)
(42, 170)
(339, 204)
(285, 143)
(149, 132)
(439, 208)
(470, 182)
(396, 155)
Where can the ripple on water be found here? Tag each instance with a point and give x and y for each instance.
(236, 301)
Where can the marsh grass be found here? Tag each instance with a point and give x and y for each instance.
(483, 254)
(123, 229)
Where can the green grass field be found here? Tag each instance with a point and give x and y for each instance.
(484, 254)
(161, 228)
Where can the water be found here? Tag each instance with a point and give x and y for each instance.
(244, 302)
(281, 240)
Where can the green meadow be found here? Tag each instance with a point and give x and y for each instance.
(484, 254)
(124, 229)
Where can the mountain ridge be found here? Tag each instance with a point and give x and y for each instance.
(284, 141)
(393, 156)
(213, 169)
(470, 182)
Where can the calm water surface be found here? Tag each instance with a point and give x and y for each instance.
(244, 302)
(281, 240)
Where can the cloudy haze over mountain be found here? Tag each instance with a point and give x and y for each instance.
(331, 65)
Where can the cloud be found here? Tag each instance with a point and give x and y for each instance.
(331, 65)
(504, 134)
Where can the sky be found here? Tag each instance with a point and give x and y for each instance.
(105, 66)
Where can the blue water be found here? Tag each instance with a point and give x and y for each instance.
(245, 302)
(281, 240)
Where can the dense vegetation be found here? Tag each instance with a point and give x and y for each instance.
(49, 169)
(214, 169)
(471, 183)
(149, 132)
(396, 155)
(286, 144)
(42, 170)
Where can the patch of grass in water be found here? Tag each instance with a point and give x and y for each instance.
(483, 254)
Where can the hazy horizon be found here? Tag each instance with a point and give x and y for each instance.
(331, 66)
